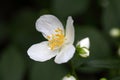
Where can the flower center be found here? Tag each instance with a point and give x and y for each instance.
(56, 40)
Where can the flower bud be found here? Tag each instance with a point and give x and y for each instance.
(115, 32)
(69, 77)
(82, 47)
(103, 79)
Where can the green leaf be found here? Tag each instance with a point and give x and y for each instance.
(93, 66)
(12, 64)
(48, 71)
(104, 63)
(69, 7)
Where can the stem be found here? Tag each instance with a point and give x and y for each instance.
(73, 70)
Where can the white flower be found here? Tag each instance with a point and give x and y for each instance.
(59, 42)
(69, 77)
(83, 47)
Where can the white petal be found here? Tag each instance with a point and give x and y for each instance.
(47, 24)
(69, 78)
(86, 54)
(84, 43)
(65, 54)
(70, 30)
(41, 52)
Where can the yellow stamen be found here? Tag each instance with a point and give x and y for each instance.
(56, 40)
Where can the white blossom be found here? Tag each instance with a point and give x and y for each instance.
(59, 43)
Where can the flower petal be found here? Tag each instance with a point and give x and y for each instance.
(69, 77)
(84, 43)
(47, 24)
(41, 52)
(70, 30)
(65, 54)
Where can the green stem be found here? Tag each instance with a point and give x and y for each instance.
(73, 70)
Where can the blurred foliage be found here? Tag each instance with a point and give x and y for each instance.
(12, 64)
(48, 70)
(111, 14)
(65, 8)
(92, 18)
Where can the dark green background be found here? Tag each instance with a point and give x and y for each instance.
(92, 18)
